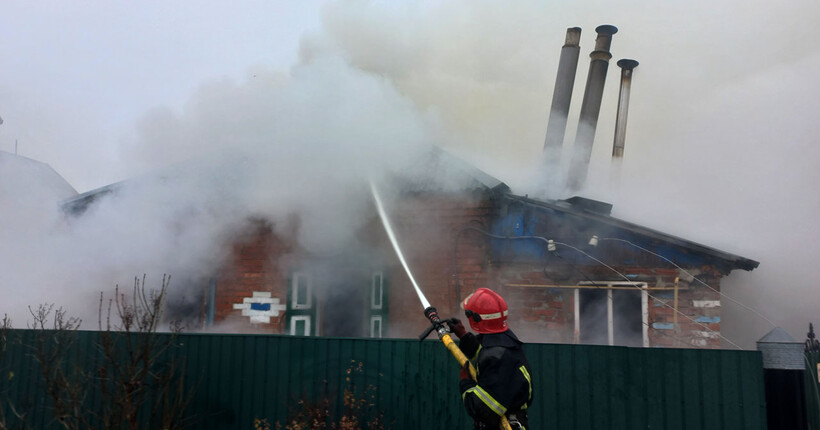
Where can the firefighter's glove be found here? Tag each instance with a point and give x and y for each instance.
(465, 371)
(456, 327)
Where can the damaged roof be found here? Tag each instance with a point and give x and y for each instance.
(443, 165)
(441, 171)
(599, 213)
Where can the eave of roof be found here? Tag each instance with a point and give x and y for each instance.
(78, 204)
(481, 180)
(440, 170)
(563, 206)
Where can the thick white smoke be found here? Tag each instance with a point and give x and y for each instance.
(719, 144)
(718, 147)
(275, 145)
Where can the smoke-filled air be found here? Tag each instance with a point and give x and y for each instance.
(267, 109)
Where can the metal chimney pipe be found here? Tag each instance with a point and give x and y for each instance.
(626, 66)
(561, 97)
(591, 107)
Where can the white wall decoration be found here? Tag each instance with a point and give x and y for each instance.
(260, 307)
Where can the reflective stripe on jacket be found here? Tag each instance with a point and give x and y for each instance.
(504, 383)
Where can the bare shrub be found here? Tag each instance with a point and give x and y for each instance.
(358, 410)
(132, 377)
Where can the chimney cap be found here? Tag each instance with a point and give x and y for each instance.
(573, 37)
(627, 64)
(606, 29)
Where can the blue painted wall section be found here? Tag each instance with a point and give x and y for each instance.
(519, 222)
(707, 319)
(663, 326)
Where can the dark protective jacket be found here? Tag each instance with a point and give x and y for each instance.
(504, 384)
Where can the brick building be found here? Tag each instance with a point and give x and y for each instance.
(570, 272)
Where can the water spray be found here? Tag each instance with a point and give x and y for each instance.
(386, 222)
(437, 324)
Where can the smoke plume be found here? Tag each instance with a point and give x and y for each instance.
(718, 147)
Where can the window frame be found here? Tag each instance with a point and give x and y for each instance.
(374, 319)
(611, 286)
(294, 320)
(295, 291)
(373, 289)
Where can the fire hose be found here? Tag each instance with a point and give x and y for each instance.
(437, 324)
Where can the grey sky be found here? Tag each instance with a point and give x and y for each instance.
(77, 75)
(720, 142)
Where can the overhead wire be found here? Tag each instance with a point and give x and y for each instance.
(650, 295)
(596, 284)
(693, 277)
(530, 203)
(552, 242)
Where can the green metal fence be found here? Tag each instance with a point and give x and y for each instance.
(239, 378)
(812, 390)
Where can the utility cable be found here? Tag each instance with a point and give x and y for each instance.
(550, 243)
(650, 295)
(539, 207)
(693, 277)
(597, 286)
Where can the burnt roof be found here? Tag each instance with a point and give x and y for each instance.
(442, 171)
(77, 205)
(599, 212)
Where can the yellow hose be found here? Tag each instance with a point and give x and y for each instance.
(456, 351)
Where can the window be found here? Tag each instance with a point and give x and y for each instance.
(301, 305)
(612, 313)
(378, 304)
(300, 325)
(301, 291)
(377, 291)
(376, 326)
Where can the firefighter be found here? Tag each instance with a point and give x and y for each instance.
(503, 385)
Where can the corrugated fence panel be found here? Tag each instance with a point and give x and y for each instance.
(236, 379)
(637, 416)
(692, 401)
(812, 386)
(565, 385)
(711, 401)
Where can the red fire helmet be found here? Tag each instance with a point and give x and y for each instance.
(486, 310)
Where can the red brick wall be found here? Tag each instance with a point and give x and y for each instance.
(449, 262)
(254, 267)
(427, 228)
(690, 325)
(542, 314)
